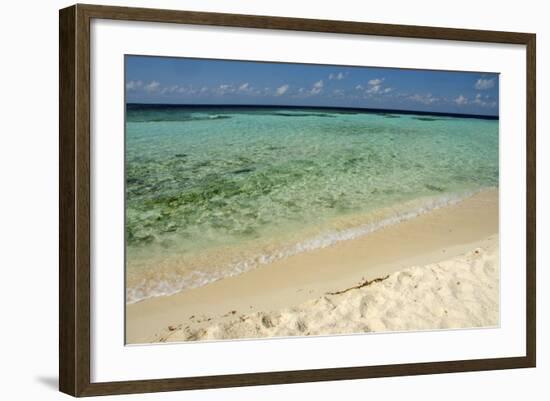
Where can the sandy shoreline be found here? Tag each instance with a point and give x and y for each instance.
(458, 293)
(230, 308)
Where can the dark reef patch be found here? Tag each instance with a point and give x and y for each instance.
(434, 188)
(427, 119)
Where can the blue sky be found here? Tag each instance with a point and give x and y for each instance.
(204, 81)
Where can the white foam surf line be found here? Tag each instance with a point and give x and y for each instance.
(199, 279)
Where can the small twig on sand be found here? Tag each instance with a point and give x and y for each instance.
(361, 285)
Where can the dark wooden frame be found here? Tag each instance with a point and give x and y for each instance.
(74, 199)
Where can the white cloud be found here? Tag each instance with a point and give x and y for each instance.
(376, 81)
(338, 76)
(374, 89)
(461, 100)
(175, 89)
(224, 88)
(424, 99)
(172, 89)
(133, 85)
(317, 88)
(247, 89)
(281, 90)
(484, 101)
(482, 84)
(152, 86)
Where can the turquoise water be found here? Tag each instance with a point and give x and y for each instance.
(214, 191)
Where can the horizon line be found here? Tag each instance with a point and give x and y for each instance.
(362, 109)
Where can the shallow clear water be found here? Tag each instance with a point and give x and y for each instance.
(214, 191)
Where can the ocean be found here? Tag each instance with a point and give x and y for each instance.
(215, 191)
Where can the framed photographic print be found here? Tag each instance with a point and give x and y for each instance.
(250, 200)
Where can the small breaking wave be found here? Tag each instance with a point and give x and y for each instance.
(172, 283)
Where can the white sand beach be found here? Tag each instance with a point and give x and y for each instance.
(439, 270)
(457, 293)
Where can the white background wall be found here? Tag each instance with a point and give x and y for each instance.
(28, 197)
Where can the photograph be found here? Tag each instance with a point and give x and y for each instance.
(273, 199)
